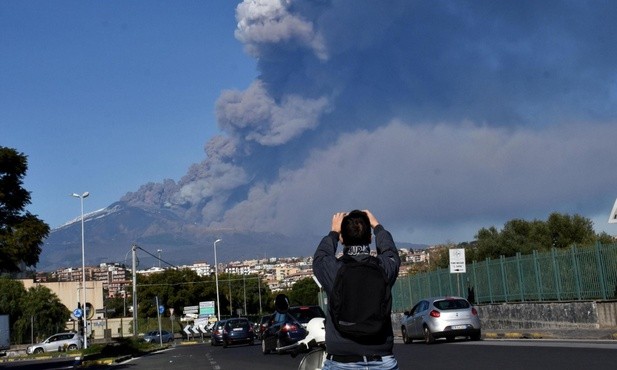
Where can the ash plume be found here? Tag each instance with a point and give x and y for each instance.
(442, 117)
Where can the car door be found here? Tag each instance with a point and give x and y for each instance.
(51, 344)
(417, 320)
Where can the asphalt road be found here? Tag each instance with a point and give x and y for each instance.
(485, 354)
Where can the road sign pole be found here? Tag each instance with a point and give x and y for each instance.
(158, 313)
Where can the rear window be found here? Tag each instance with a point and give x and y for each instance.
(238, 324)
(304, 314)
(451, 304)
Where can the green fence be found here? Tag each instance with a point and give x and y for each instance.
(570, 274)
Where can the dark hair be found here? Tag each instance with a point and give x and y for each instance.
(356, 229)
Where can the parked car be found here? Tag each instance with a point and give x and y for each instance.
(261, 326)
(238, 330)
(441, 317)
(68, 341)
(283, 329)
(304, 314)
(153, 336)
(216, 337)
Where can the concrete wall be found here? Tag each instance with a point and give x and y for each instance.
(118, 327)
(69, 292)
(549, 315)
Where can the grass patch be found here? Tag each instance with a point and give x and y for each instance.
(118, 348)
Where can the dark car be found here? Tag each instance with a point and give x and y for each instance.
(238, 331)
(216, 337)
(304, 314)
(283, 330)
(153, 336)
(441, 317)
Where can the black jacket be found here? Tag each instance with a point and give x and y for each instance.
(325, 267)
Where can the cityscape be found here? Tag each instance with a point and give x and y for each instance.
(278, 273)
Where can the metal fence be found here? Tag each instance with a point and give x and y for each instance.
(576, 273)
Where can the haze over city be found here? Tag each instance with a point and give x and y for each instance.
(441, 117)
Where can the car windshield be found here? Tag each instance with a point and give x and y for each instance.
(451, 304)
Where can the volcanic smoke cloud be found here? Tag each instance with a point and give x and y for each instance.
(441, 117)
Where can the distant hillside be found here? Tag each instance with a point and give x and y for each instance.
(110, 233)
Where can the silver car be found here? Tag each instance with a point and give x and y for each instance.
(153, 336)
(441, 317)
(69, 341)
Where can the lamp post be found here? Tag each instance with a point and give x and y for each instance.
(83, 267)
(216, 278)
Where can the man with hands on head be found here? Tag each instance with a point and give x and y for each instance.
(353, 230)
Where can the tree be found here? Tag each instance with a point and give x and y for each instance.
(21, 233)
(566, 230)
(42, 307)
(11, 294)
(520, 236)
(304, 292)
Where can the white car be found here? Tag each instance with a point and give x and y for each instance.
(68, 341)
(441, 317)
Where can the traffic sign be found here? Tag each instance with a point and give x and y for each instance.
(161, 309)
(457, 261)
(77, 313)
(190, 309)
(206, 308)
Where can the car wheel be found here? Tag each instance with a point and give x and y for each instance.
(428, 336)
(264, 348)
(72, 347)
(476, 336)
(406, 339)
(38, 350)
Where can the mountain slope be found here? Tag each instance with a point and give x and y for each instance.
(110, 233)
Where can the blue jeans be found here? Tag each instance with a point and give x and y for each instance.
(386, 363)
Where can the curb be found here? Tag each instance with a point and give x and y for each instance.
(517, 335)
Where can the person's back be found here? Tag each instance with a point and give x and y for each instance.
(345, 350)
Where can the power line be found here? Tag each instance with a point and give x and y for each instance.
(158, 258)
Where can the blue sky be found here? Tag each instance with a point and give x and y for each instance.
(104, 96)
(442, 117)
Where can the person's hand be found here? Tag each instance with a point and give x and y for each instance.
(337, 220)
(371, 218)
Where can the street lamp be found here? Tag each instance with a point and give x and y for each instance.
(83, 267)
(216, 277)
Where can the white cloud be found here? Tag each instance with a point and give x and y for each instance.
(426, 178)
